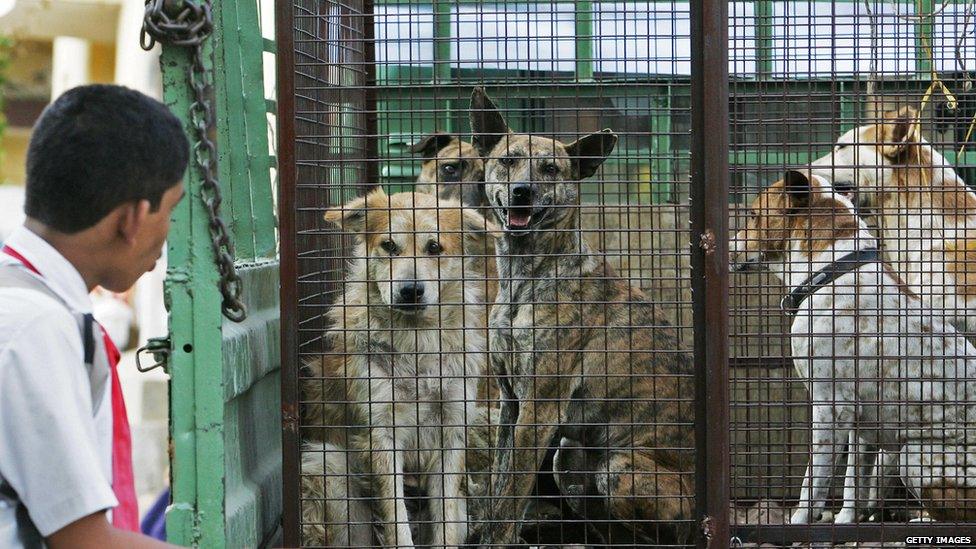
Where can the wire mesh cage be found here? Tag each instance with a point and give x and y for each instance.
(505, 284)
(570, 156)
(852, 400)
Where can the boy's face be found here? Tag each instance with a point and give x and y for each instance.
(146, 246)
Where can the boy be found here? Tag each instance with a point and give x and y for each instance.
(104, 172)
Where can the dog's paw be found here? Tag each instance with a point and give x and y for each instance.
(845, 516)
(570, 468)
(801, 516)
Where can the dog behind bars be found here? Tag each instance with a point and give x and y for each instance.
(925, 211)
(393, 397)
(584, 361)
(452, 169)
(877, 362)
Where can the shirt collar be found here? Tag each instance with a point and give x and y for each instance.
(57, 272)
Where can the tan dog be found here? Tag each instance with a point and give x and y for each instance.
(925, 211)
(585, 362)
(453, 170)
(398, 388)
(880, 366)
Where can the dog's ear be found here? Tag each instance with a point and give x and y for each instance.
(589, 152)
(432, 144)
(899, 130)
(355, 216)
(798, 188)
(487, 125)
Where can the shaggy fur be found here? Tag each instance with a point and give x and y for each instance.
(398, 388)
(925, 211)
(880, 366)
(584, 361)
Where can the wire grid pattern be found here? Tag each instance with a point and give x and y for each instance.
(807, 388)
(803, 73)
(556, 71)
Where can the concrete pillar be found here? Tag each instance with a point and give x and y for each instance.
(69, 64)
(134, 67)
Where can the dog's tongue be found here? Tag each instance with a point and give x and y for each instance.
(519, 217)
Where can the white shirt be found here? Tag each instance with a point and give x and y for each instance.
(55, 446)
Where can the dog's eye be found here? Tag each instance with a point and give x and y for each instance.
(389, 247)
(507, 161)
(449, 169)
(550, 169)
(434, 248)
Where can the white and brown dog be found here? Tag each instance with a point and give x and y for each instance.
(925, 211)
(394, 395)
(879, 365)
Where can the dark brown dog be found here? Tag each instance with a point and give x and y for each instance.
(584, 362)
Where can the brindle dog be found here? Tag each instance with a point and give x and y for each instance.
(452, 170)
(584, 361)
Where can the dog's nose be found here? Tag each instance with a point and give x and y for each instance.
(521, 192)
(412, 293)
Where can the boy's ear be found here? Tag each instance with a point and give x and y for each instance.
(899, 130)
(355, 216)
(432, 144)
(488, 127)
(797, 187)
(132, 216)
(589, 152)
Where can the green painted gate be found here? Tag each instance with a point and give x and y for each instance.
(225, 449)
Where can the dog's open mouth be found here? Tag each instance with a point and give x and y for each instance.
(519, 217)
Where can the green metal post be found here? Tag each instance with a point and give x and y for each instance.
(442, 54)
(442, 41)
(661, 173)
(584, 41)
(250, 147)
(196, 407)
(923, 38)
(764, 38)
(226, 452)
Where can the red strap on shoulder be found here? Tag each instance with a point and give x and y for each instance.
(16, 255)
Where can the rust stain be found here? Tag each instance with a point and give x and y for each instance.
(707, 242)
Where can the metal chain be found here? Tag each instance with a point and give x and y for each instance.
(188, 24)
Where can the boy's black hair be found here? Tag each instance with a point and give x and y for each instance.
(97, 147)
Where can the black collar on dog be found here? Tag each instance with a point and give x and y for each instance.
(791, 302)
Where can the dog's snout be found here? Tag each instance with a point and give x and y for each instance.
(412, 293)
(521, 193)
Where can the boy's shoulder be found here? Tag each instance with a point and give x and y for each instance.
(27, 314)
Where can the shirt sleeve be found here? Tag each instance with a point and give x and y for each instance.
(49, 450)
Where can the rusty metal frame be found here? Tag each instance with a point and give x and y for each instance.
(290, 436)
(709, 264)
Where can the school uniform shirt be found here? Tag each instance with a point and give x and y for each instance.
(55, 423)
